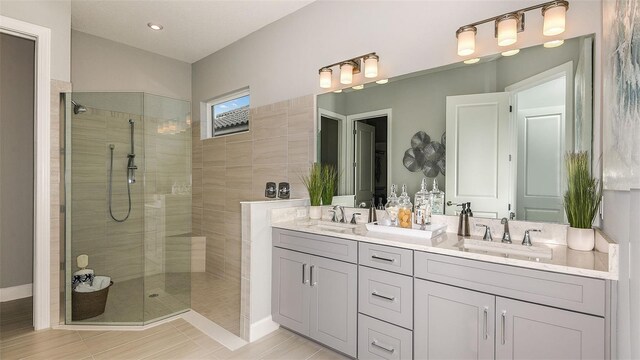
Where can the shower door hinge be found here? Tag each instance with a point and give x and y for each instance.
(510, 108)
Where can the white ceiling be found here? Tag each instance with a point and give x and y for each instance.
(192, 29)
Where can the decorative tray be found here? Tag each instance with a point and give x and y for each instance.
(426, 232)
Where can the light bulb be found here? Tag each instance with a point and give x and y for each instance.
(510, 52)
(507, 30)
(371, 66)
(466, 40)
(553, 43)
(471, 61)
(346, 73)
(325, 78)
(554, 18)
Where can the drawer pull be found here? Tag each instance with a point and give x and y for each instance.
(313, 283)
(390, 298)
(304, 270)
(382, 258)
(502, 325)
(387, 349)
(486, 314)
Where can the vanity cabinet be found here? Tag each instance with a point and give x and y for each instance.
(316, 297)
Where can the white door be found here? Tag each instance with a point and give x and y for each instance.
(478, 153)
(365, 151)
(541, 139)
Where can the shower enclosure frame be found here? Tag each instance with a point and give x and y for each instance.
(66, 201)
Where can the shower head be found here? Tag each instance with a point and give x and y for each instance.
(77, 108)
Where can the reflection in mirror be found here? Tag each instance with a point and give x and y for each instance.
(498, 129)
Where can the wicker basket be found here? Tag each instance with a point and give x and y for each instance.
(85, 305)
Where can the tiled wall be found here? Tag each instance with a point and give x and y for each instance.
(227, 170)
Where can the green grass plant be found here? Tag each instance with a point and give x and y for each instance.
(314, 184)
(584, 193)
(330, 180)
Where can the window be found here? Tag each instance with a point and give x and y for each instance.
(228, 114)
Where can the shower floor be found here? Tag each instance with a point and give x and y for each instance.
(215, 298)
(132, 302)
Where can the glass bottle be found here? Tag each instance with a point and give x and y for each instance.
(405, 209)
(437, 199)
(392, 206)
(421, 212)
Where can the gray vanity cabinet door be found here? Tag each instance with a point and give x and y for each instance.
(452, 323)
(290, 289)
(333, 312)
(530, 331)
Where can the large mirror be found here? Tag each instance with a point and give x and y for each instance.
(493, 133)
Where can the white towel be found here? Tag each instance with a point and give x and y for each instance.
(99, 283)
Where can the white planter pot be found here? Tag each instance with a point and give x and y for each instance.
(315, 212)
(580, 239)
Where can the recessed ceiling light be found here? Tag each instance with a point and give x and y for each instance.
(553, 43)
(156, 27)
(471, 61)
(337, 91)
(510, 52)
(382, 81)
(358, 87)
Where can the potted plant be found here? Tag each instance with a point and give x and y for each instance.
(330, 180)
(581, 201)
(314, 184)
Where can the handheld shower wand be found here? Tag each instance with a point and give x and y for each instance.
(131, 165)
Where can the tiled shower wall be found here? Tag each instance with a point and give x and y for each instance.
(226, 170)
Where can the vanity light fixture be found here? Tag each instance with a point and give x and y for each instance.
(325, 78)
(553, 43)
(156, 27)
(382, 81)
(508, 25)
(510, 52)
(367, 63)
(471, 61)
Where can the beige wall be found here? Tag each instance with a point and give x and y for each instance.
(16, 160)
(99, 64)
(234, 168)
(55, 15)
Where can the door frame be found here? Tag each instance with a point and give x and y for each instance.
(566, 70)
(342, 135)
(351, 119)
(42, 165)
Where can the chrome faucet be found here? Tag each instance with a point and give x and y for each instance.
(487, 232)
(527, 238)
(506, 236)
(334, 218)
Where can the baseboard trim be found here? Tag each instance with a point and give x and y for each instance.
(262, 328)
(16, 292)
(213, 330)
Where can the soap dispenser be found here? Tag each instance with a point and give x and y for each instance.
(405, 209)
(373, 217)
(467, 214)
(461, 220)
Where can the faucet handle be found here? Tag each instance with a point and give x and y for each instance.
(487, 232)
(353, 218)
(526, 241)
(334, 217)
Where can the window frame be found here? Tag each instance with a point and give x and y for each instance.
(206, 111)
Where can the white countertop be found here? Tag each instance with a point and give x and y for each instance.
(594, 264)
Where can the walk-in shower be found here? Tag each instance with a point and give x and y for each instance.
(123, 155)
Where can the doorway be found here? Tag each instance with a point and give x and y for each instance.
(371, 163)
(17, 125)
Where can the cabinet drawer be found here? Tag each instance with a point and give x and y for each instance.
(386, 296)
(559, 290)
(386, 258)
(326, 246)
(381, 340)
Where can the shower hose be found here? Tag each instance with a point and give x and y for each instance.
(112, 147)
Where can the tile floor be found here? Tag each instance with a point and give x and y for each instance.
(217, 299)
(174, 340)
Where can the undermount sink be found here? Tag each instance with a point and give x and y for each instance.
(535, 251)
(328, 225)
